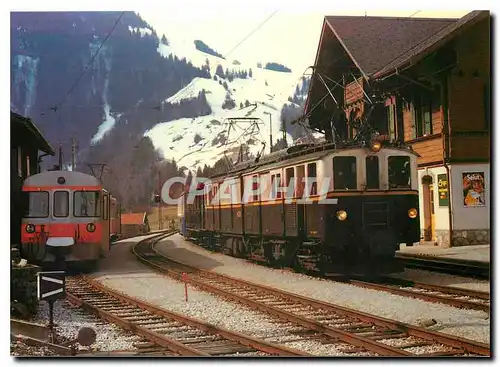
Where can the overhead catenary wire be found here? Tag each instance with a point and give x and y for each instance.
(59, 105)
(251, 33)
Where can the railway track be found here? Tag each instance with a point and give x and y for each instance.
(164, 332)
(337, 324)
(457, 297)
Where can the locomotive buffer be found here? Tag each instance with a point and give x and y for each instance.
(51, 286)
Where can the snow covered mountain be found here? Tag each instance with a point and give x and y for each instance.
(260, 94)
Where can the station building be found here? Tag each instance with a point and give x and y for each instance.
(431, 78)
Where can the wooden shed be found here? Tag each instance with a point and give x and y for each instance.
(134, 224)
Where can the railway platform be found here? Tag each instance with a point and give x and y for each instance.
(477, 253)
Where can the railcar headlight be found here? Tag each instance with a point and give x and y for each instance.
(91, 227)
(412, 213)
(376, 146)
(341, 215)
(30, 228)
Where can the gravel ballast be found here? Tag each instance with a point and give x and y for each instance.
(68, 321)
(469, 324)
(169, 294)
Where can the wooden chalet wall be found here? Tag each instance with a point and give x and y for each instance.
(469, 85)
(468, 105)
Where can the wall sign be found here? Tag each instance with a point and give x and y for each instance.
(473, 189)
(443, 193)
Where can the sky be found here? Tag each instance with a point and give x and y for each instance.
(290, 36)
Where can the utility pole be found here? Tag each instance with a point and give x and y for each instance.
(73, 154)
(283, 126)
(60, 158)
(270, 131)
(160, 220)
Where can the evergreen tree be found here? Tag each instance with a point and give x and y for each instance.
(250, 74)
(219, 71)
(229, 103)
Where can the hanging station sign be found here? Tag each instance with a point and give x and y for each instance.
(443, 192)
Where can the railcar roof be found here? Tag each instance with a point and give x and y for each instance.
(49, 178)
(294, 155)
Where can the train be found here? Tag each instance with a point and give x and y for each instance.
(70, 219)
(372, 208)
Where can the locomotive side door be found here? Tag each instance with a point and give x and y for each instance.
(299, 192)
(106, 224)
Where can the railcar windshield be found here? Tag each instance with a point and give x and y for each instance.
(38, 204)
(344, 173)
(399, 172)
(61, 203)
(87, 204)
(372, 173)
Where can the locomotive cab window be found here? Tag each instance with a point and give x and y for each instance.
(86, 204)
(344, 173)
(61, 204)
(38, 204)
(399, 172)
(372, 173)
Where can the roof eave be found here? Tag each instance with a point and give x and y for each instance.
(382, 74)
(367, 78)
(44, 144)
(306, 106)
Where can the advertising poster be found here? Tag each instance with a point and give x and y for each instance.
(473, 189)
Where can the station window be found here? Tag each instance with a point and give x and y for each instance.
(372, 173)
(86, 204)
(61, 204)
(344, 173)
(38, 204)
(399, 171)
(312, 185)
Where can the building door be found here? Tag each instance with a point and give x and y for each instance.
(428, 210)
(433, 221)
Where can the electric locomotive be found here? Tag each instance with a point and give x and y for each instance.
(70, 218)
(372, 208)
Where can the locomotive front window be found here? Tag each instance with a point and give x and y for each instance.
(61, 204)
(372, 173)
(38, 204)
(399, 172)
(344, 173)
(86, 204)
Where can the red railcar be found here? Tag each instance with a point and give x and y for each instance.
(71, 217)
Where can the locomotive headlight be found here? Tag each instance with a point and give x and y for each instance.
(376, 146)
(412, 213)
(30, 228)
(341, 215)
(91, 227)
